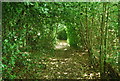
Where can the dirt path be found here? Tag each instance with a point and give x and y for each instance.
(68, 63)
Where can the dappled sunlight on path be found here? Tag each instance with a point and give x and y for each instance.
(61, 44)
(69, 63)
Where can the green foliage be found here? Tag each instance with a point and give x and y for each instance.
(62, 35)
(72, 36)
(34, 26)
(20, 33)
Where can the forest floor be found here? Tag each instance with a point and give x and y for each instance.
(67, 63)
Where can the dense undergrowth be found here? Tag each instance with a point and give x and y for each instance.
(31, 27)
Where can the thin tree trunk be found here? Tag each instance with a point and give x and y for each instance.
(102, 44)
(86, 25)
(119, 33)
(88, 36)
(106, 36)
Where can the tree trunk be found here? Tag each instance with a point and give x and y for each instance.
(119, 33)
(102, 54)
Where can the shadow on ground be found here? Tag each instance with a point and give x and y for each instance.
(67, 63)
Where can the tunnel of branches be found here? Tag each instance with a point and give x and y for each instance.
(37, 36)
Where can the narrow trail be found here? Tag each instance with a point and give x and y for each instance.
(68, 63)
